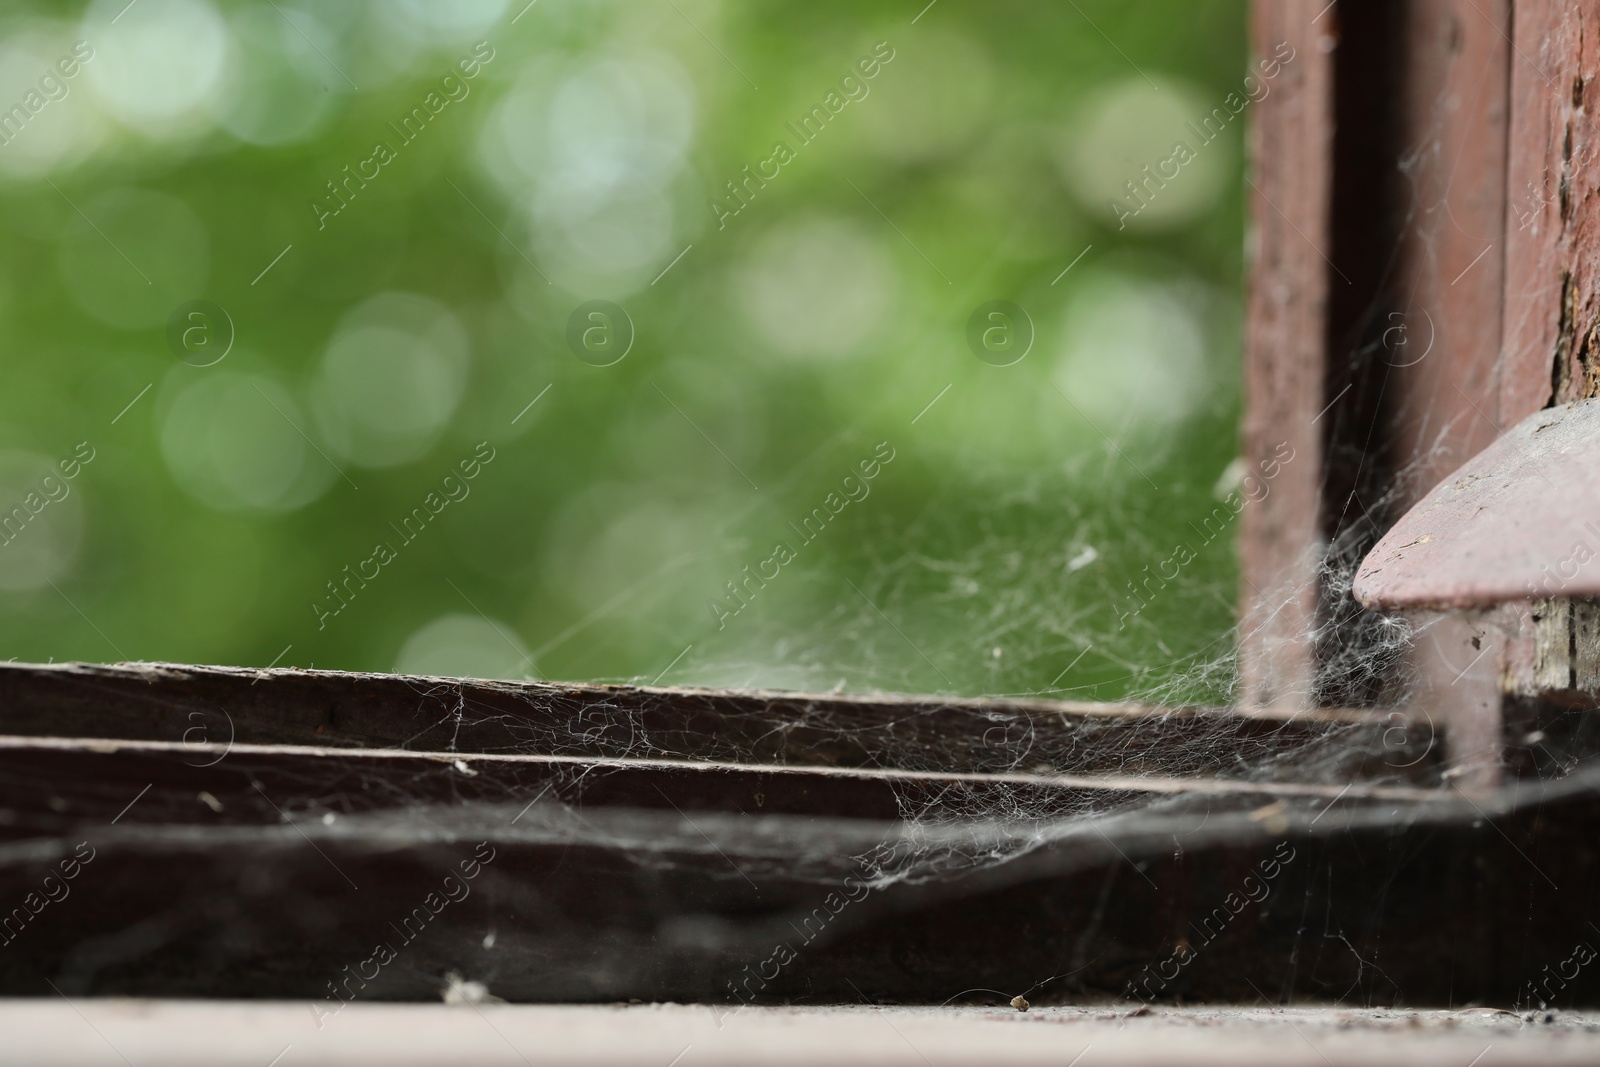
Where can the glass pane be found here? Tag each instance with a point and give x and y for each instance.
(793, 345)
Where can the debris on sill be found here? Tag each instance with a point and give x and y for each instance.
(459, 990)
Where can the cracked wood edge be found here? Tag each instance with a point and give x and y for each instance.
(160, 702)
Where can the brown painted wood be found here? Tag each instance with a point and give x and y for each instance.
(275, 869)
(236, 866)
(1415, 340)
(1450, 264)
(217, 706)
(1553, 259)
(1552, 306)
(1291, 162)
(1374, 331)
(1446, 292)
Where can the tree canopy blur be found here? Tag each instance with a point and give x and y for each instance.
(651, 341)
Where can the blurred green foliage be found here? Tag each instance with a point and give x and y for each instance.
(992, 555)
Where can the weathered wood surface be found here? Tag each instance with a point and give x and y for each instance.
(1566, 647)
(1447, 192)
(1552, 295)
(219, 705)
(1413, 330)
(1374, 329)
(272, 870)
(1520, 521)
(238, 866)
(1552, 288)
(1291, 171)
(1439, 390)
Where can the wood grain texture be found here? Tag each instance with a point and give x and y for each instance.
(1439, 388)
(1552, 304)
(1552, 294)
(1420, 173)
(216, 706)
(1374, 331)
(1450, 261)
(275, 871)
(1291, 145)
(238, 866)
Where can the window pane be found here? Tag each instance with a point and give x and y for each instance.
(792, 345)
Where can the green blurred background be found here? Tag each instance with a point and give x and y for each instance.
(992, 553)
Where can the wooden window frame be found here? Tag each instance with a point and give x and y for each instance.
(219, 871)
(1428, 170)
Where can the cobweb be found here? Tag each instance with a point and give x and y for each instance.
(1026, 582)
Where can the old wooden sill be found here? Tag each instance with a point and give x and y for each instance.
(657, 844)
